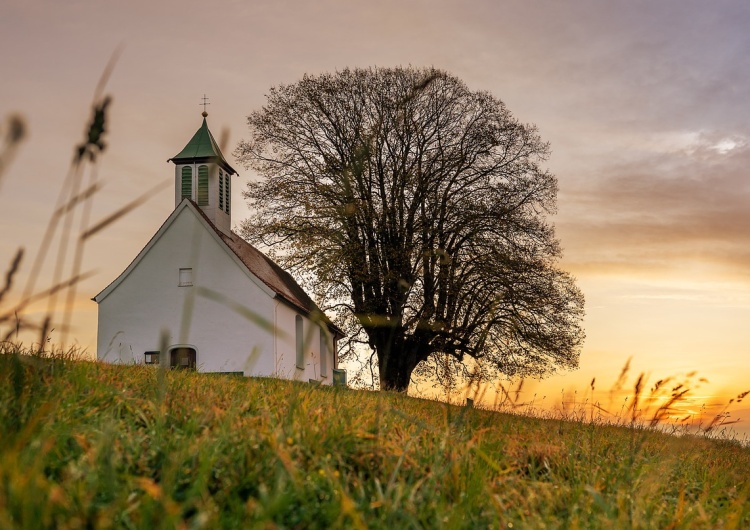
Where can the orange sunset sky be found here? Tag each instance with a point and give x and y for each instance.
(646, 106)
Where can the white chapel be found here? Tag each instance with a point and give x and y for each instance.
(200, 297)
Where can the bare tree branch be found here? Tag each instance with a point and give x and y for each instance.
(416, 208)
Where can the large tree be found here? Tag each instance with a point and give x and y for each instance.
(419, 206)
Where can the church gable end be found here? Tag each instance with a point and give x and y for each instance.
(217, 302)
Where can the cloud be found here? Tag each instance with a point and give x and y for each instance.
(686, 201)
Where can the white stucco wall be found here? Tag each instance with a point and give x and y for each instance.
(225, 333)
(148, 301)
(286, 348)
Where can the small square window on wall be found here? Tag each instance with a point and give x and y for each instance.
(152, 357)
(186, 277)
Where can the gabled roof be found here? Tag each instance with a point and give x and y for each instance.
(202, 148)
(268, 271)
(277, 281)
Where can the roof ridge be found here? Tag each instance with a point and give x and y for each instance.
(289, 289)
(269, 273)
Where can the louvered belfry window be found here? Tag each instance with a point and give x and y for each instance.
(187, 182)
(227, 201)
(202, 186)
(221, 190)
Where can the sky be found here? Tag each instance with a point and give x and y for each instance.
(645, 106)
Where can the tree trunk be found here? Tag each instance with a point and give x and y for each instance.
(395, 373)
(396, 362)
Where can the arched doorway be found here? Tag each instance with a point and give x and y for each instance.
(182, 358)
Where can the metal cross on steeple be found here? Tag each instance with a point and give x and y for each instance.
(205, 102)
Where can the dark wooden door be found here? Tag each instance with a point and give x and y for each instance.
(182, 358)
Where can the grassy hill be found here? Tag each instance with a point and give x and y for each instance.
(88, 445)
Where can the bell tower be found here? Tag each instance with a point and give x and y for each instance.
(202, 175)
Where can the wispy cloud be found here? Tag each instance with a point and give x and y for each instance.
(685, 200)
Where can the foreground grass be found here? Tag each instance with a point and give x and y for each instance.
(88, 445)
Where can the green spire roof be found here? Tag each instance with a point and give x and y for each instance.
(202, 148)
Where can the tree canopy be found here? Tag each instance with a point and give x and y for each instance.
(416, 208)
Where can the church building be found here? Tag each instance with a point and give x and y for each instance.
(199, 297)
